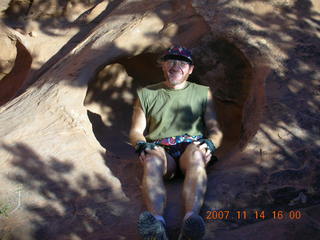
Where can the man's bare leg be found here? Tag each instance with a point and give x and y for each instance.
(156, 164)
(193, 165)
(193, 162)
(152, 184)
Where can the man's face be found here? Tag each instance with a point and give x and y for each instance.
(176, 71)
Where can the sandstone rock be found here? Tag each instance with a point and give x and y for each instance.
(67, 171)
(13, 80)
(8, 53)
(4, 5)
(97, 10)
(18, 9)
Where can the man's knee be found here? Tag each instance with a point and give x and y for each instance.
(192, 159)
(196, 156)
(153, 163)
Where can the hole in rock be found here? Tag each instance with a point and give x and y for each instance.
(111, 94)
(218, 64)
(223, 66)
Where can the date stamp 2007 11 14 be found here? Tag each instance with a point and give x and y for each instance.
(258, 215)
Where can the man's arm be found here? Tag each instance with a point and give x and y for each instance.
(213, 131)
(138, 124)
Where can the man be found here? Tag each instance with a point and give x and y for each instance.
(179, 121)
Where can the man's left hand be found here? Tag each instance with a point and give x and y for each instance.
(205, 150)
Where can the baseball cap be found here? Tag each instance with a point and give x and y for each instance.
(178, 53)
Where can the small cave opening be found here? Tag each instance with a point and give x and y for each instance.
(111, 94)
(219, 64)
(223, 67)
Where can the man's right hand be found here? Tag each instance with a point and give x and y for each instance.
(141, 146)
(157, 151)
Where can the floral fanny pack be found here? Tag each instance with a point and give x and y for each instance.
(169, 141)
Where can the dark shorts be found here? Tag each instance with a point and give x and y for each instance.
(175, 147)
(175, 151)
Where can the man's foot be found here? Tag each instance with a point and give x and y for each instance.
(150, 228)
(193, 228)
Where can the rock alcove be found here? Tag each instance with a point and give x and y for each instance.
(218, 64)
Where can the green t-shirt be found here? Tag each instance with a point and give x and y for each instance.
(171, 112)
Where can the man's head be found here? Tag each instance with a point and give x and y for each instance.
(177, 65)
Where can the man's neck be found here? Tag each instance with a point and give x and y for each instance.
(176, 87)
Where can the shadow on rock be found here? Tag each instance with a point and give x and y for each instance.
(63, 203)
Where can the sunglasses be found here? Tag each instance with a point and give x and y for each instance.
(179, 63)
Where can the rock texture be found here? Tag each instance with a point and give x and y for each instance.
(9, 53)
(4, 5)
(67, 171)
(16, 64)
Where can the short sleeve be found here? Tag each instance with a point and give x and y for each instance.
(141, 96)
